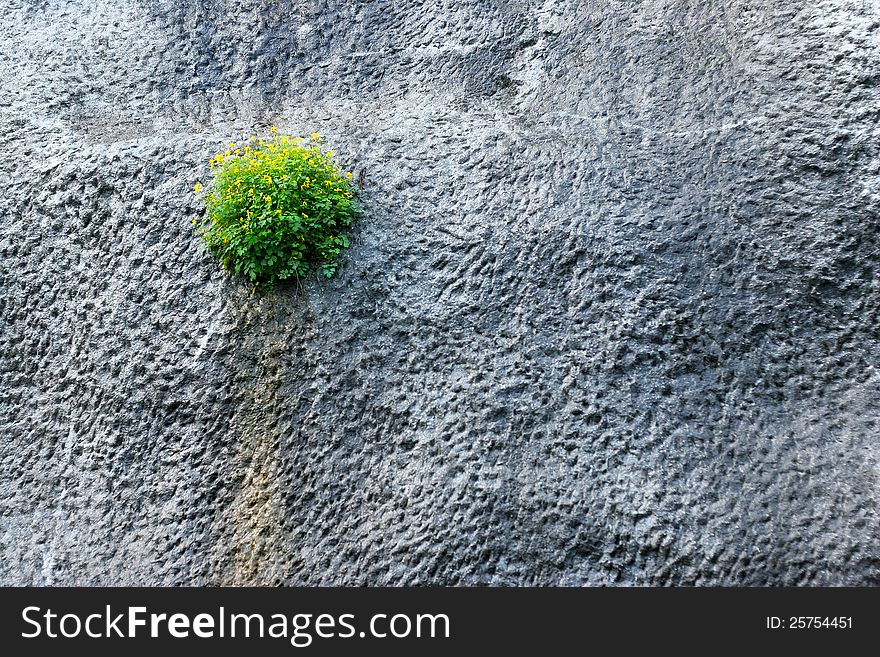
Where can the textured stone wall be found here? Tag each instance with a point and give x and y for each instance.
(610, 315)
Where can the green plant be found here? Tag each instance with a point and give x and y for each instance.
(275, 207)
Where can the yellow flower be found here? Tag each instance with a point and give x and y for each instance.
(198, 187)
(274, 128)
(349, 174)
(315, 136)
(329, 153)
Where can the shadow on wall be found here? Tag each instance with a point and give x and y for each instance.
(311, 51)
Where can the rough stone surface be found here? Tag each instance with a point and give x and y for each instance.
(610, 315)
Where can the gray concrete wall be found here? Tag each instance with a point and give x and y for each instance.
(610, 315)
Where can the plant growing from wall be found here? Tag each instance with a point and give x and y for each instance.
(275, 207)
